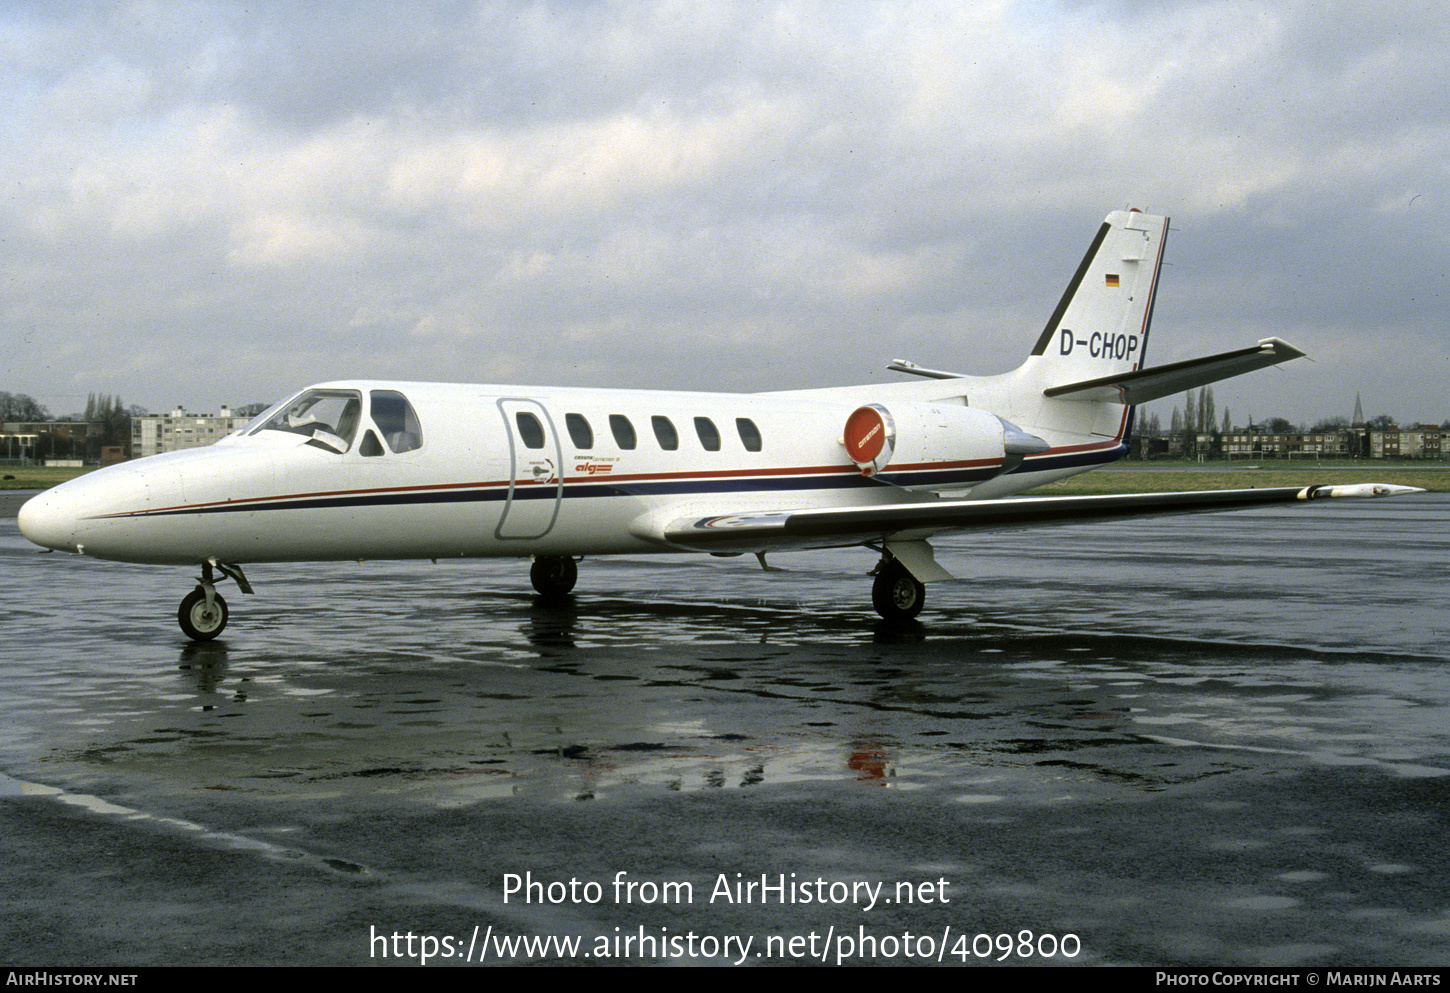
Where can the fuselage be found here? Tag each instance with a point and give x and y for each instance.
(358, 470)
(371, 470)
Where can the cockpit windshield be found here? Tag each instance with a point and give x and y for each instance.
(329, 418)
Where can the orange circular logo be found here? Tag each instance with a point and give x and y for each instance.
(866, 434)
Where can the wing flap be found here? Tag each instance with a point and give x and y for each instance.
(840, 526)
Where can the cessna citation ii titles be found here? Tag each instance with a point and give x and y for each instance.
(385, 470)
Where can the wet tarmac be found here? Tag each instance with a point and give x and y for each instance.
(1203, 740)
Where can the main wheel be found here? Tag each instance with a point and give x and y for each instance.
(202, 621)
(896, 594)
(554, 575)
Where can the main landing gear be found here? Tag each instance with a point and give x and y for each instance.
(203, 613)
(553, 576)
(896, 594)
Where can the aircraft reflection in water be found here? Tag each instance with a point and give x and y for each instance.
(374, 470)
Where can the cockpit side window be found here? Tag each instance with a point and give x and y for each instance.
(396, 420)
(329, 418)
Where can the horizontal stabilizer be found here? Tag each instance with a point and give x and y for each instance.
(1165, 380)
(839, 526)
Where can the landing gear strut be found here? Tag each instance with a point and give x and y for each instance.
(896, 594)
(553, 576)
(203, 613)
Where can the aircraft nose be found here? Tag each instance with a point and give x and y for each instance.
(49, 520)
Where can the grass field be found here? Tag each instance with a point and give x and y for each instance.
(1140, 477)
(1125, 477)
(36, 477)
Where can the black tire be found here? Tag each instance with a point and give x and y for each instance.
(554, 575)
(896, 594)
(198, 621)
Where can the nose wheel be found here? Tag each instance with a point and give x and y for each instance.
(203, 614)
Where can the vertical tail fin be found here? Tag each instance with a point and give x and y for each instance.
(1100, 326)
(1099, 330)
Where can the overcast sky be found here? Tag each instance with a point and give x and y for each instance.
(218, 203)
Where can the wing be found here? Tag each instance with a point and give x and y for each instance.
(840, 526)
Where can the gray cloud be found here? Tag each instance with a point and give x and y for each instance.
(217, 202)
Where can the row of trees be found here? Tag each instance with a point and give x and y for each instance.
(20, 407)
(99, 407)
(1197, 416)
(105, 423)
(113, 420)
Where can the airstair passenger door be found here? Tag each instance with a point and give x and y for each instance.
(537, 482)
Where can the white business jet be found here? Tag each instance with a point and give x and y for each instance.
(388, 470)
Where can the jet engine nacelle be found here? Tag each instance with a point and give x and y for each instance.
(915, 436)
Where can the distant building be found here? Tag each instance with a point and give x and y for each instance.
(17, 445)
(157, 433)
(1423, 441)
(1384, 443)
(25, 442)
(1341, 444)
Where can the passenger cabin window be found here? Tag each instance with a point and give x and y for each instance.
(396, 420)
(579, 430)
(531, 432)
(623, 431)
(709, 434)
(749, 433)
(329, 418)
(370, 447)
(665, 433)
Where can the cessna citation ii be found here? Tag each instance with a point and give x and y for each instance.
(386, 470)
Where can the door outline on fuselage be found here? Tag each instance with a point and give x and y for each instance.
(523, 519)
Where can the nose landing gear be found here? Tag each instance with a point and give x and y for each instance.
(203, 613)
